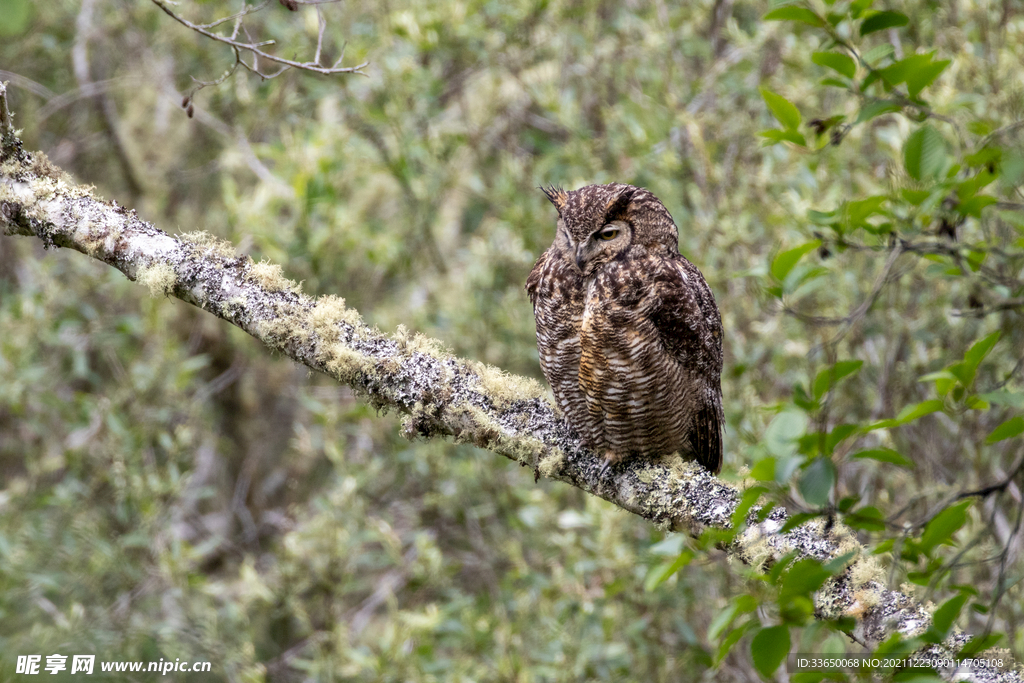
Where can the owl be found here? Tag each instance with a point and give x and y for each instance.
(628, 332)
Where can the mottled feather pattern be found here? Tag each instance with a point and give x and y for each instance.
(555, 288)
(628, 332)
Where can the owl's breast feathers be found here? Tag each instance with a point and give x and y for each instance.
(651, 360)
(555, 289)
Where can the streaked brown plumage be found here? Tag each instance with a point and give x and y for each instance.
(629, 335)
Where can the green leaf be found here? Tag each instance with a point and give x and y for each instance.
(969, 187)
(974, 205)
(836, 83)
(960, 371)
(943, 618)
(975, 403)
(1010, 399)
(784, 262)
(775, 136)
(879, 21)
(784, 429)
(858, 7)
(801, 399)
(721, 621)
(899, 72)
(796, 520)
(797, 610)
(747, 501)
(920, 79)
(884, 455)
(836, 61)
(817, 481)
(768, 648)
(942, 527)
(14, 16)
(764, 469)
(977, 353)
(821, 217)
(867, 518)
(781, 565)
(917, 410)
(1012, 167)
(924, 153)
(661, 573)
(733, 638)
(1007, 430)
(981, 127)
(940, 374)
(884, 547)
(897, 644)
(985, 155)
(977, 645)
(838, 434)
(915, 197)
(791, 13)
(782, 109)
(670, 546)
(840, 562)
(876, 108)
(803, 578)
(877, 54)
(830, 377)
(741, 604)
(857, 211)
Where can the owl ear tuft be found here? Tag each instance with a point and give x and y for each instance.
(557, 196)
(616, 206)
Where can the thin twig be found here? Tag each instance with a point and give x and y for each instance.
(862, 308)
(254, 47)
(997, 487)
(6, 125)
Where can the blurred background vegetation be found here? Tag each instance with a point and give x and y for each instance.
(169, 488)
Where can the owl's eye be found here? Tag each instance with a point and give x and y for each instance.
(608, 234)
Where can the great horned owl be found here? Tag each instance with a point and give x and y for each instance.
(629, 335)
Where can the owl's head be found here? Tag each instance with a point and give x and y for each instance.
(600, 223)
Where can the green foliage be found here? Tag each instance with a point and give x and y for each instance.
(844, 64)
(879, 21)
(924, 154)
(769, 647)
(15, 16)
(945, 173)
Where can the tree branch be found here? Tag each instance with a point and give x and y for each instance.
(438, 394)
(255, 48)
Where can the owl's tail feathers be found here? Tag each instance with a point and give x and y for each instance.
(706, 438)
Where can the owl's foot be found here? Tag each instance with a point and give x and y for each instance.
(609, 459)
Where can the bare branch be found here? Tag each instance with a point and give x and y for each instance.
(858, 312)
(27, 84)
(236, 17)
(438, 394)
(7, 139)
(255, 47)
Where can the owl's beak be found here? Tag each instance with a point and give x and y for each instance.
(580, 256)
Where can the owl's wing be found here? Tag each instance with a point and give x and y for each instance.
(535, 276)
(690, 327)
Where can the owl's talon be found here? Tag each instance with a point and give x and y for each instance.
(609, 458)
